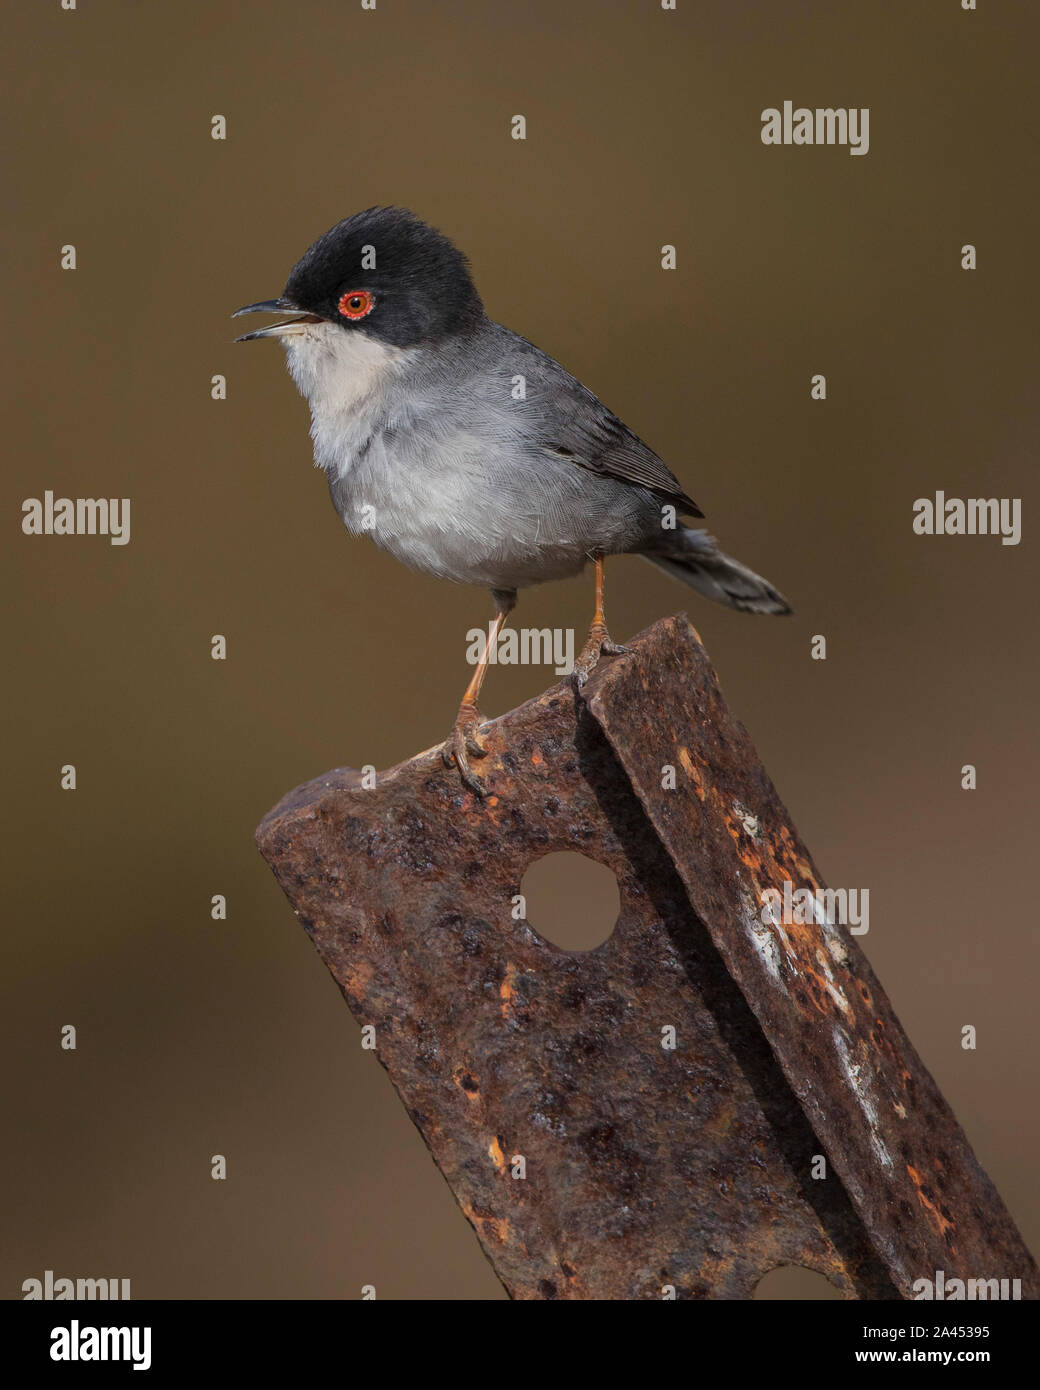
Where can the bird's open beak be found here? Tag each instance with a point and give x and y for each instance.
(276, 330)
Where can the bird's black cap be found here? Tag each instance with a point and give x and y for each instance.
(419, 282)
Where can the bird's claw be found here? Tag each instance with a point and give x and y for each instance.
(599, 644)
(462, 744)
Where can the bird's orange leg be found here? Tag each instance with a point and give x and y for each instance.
(598, 641)
(462, 740)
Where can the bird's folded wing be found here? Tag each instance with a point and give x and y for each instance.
(573, 423)
(602, 444)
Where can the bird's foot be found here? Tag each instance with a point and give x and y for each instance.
(598, 644)
(462, 744)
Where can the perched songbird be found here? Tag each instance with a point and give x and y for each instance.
(465, 450)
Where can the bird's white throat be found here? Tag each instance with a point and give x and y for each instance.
(343, 375)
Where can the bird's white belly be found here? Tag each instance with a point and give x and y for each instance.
(446, 512)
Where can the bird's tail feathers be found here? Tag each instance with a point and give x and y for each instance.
(694, 557)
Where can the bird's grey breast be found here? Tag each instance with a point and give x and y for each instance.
(440, 455)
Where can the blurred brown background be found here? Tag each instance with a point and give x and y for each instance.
(199, 1037)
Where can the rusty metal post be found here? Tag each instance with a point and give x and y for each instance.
(644, 1167)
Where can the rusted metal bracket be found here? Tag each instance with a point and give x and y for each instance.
(643, 1167)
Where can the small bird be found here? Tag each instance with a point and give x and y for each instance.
(466, 451)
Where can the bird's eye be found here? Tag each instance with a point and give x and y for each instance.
(355, 304)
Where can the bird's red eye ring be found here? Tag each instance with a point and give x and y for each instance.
(355, 304)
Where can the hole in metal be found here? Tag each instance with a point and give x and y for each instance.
(570, 900)
(794, 1282)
